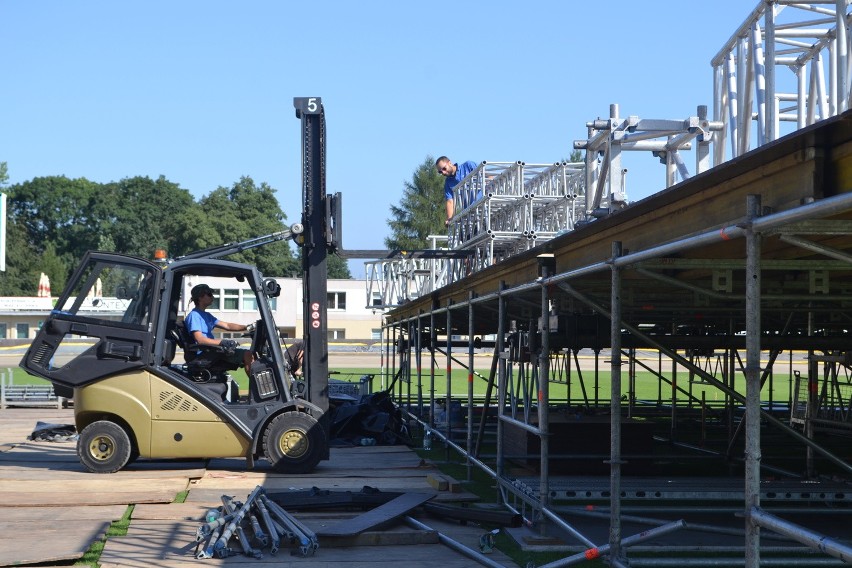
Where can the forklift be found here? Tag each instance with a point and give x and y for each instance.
(111, 341)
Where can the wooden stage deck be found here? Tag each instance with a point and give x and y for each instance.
(51, 510)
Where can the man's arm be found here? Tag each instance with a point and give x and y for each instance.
(228, 326)
(451, 207)
(202, 339)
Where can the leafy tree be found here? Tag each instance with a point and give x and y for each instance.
(56, 268)
(145, 215)
(4, 173)
(242, 212)
(420, 212)
(337, 267)
(22, 274)
(70, 213)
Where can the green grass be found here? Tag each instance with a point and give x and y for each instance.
(117, 528)
(647, 385)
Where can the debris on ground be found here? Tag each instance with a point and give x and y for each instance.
(369, 420)
(46, 432)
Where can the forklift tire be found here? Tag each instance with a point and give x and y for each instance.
(294, 442)
(104, 447)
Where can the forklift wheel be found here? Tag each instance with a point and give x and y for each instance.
(104, 447)
(294, 442)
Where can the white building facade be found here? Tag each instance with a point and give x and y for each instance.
(349, 317)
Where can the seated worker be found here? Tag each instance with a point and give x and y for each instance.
(200, 324)
(294, 354)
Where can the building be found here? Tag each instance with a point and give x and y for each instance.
(350, 318)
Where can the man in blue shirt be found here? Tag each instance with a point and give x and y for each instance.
(454, 174)
(200, 324)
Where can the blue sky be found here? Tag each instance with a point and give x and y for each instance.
(201, 92)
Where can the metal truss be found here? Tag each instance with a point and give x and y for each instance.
(504, 208)
(773, 70)
(665, 139)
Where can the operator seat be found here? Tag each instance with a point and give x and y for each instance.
(211, 373)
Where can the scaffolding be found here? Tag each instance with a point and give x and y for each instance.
(749, 269)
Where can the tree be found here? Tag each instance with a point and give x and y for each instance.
(145, 215)
(70, 213)
(337, 267)
(420, 212)
(21, 275)
(4, 173)
(242, 212)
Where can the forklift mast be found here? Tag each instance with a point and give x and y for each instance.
(315, 241)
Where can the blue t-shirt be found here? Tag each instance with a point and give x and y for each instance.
(196, 320)
(461, 172)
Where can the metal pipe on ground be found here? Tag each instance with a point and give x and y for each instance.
(829, 546)
(455, 545)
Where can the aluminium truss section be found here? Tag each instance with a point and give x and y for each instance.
(562, 179)
(391, 282)
(527, 199)
(665, 139)
(787, 62)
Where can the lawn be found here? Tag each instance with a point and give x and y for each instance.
(646, 385)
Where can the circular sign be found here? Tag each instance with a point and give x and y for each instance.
(315, 315)
(315, 306)
(315, 324)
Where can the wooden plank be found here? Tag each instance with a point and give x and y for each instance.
(36, 542)
(14, 515)
(100, 483)
(172, 544)
(59, 460)
(51, 499)
(382, 538)
(137, 552)
(437, 481)
(172, 511)
(376, 517)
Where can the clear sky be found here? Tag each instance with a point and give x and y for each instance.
(201, 91)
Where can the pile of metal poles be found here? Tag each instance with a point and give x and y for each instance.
(256, 524)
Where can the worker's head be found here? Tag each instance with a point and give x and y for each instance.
(199, 291)
(445, 166)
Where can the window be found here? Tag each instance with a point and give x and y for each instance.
(249, 301)
(273, 303)
(22, 331)
(376, 334)
(336, 334)
(103, 288)
(231, 299)
(3, 331)
(336, 300)
(376, 300)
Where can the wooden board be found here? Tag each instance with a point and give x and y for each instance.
(378, 516)
(163, 542)
(91, 490)
(38, 541)
(14, 515)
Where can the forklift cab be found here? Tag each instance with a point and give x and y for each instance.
(113, 343)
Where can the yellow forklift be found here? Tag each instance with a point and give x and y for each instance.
(112, 340)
